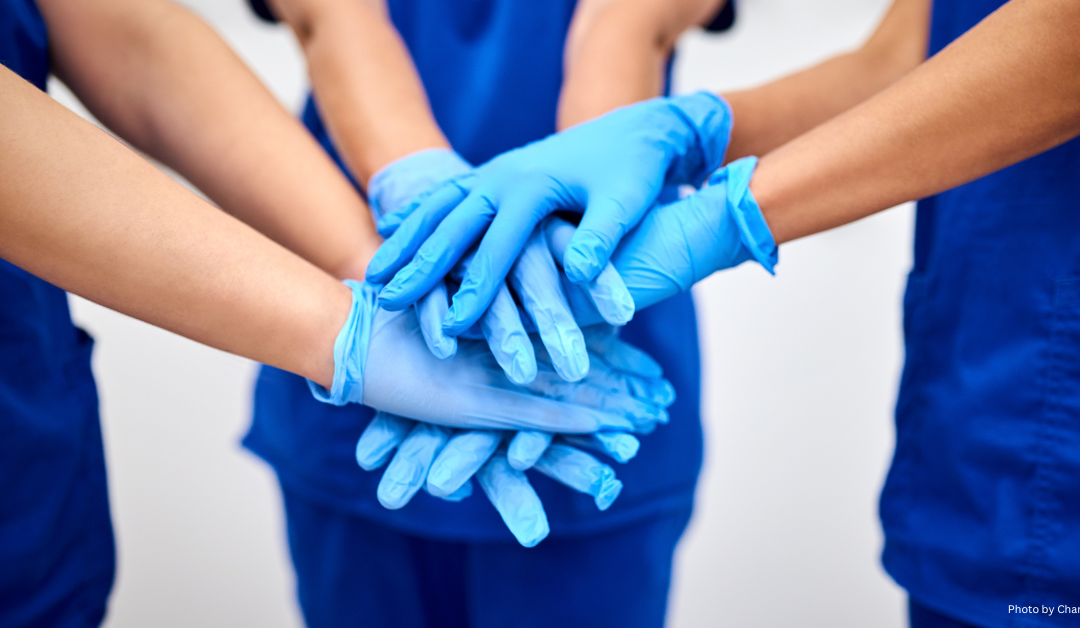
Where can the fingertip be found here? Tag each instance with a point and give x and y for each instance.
(608, 493)
(392, 493)
(379, 269)
(532, 529)
(523, 368)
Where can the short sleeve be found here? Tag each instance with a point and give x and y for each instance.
(722, 21)
(263, 10)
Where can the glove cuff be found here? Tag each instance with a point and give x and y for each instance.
(753, 230)
(709, 117)
(403, 179)
(350, 350)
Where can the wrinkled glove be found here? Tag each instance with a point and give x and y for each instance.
(611, 168)
(381, 361)
(400, 187)
(442, 462)
(681, 243)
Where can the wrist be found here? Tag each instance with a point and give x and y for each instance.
(743, 208)
(346, 378)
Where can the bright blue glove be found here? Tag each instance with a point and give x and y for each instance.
(381, 361)
(612, 168)
(442, 463)
(396, 191)
(679, 244)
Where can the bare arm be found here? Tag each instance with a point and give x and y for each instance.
(164, 81)
(368, 91)
(1006, 90)
(80, 210)
(770, 115)
(616, 51)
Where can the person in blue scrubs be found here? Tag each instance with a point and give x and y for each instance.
(479, 79)
(81, 211)
(981, 519)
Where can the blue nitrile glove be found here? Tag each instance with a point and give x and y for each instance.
(611, 168)
(452, 460)
(396, 190)
(679, 244)
(393, 193)
(381, 361)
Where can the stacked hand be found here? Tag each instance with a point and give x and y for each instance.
(622, 381)
(560, 344)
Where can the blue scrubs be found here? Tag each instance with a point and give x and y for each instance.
(492, 70)
(981, 508)
(56, 542)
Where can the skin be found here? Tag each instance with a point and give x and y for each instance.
(1004, 91)
(615, 53)
(85, 213)
(617, 50)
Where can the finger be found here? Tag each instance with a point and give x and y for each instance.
(430, 311)
(515, 500)
(622, 447)
(581, 472)
(606, 220)
(466, 490)
(538, 285)
(526, 447)
(460, 459)
(607, 293)
(414, 230)
(388, 223)
(639, 412)
(408, 469)
(518, 214)
(380, 438)
(507, 338)
(437, 255)
(603, 341)
(653, 390)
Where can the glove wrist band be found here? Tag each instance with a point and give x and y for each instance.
(753, 230)
(350, 350)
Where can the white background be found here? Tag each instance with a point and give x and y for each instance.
(800, 378)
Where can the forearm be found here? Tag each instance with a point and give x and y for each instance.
(368, 90)
(766, 117)
(165, 82)
(80, 210)
(1003, 92)
(617, 50)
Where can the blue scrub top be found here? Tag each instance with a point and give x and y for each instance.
(56, 545)
(492, 70)
(981, 507)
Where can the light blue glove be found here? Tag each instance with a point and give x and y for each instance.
(381, 361)
(612, 169)
(618, 367)
(679, 244)
(396, 191)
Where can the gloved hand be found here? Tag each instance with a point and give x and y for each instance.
(612, 168)
(681, 243)
(381, 361)
(442, 462)
(396, 191)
